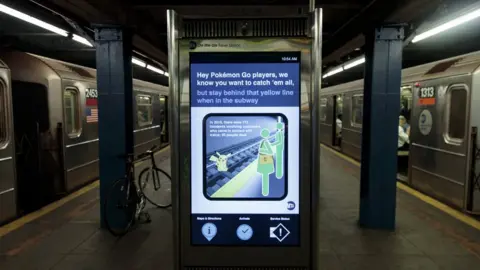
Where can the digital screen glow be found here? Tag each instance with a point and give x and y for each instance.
(245, 114)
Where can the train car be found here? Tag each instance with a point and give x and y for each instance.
(7, 148)
(344, 100)
(441, 102)
(55, 124)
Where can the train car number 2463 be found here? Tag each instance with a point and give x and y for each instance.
(91, 93)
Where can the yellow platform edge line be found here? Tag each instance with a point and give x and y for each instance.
(427, 199)
(45, 210)
(341, 155)
(18, 223)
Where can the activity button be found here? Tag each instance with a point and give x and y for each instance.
(244, 232)
(280, 232)
(209, 230)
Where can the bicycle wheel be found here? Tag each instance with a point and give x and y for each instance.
(120, 207)
(156, 186)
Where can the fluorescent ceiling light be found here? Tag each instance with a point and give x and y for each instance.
(61, 32)
(82, 40)
(354, 63)
(32, 20)
(448, 25)
(156, 70)
(341, 68)
(333, 72)
(166, 74)
(139, 62)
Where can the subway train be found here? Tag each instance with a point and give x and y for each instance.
(49, 129)
(441, 102)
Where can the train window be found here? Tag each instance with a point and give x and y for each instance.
(72, 115)
(456, 113)
(357, 110)
(323, 109)
(163, 105)
(339, 104)
(406, 97)
(163, 101)
(163, 109)
(144, 110)
(3, 115)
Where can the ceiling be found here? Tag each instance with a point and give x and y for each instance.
(344, 24)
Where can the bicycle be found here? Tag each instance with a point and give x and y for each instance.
(155, 184)
(124, 202)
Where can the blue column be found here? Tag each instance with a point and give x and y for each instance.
(115, 105)
(383, 54)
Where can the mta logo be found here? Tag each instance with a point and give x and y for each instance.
(291, 205)
(192, 45)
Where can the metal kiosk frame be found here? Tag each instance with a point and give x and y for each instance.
(288, 34)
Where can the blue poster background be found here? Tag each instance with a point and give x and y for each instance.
(292, 69)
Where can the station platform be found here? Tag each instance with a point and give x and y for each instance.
(429, 235)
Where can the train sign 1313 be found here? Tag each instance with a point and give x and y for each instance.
(427, 95)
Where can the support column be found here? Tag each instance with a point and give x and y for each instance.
(115, 104)
(381, 109)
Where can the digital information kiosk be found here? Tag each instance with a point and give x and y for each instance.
(242, 155)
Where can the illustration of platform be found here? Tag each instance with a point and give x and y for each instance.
(232, 172)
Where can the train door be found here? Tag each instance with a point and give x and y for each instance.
(7, 165)
(352, 122)
(404, 122)
(338, 120)
(326, 120)
(30, 110)
(164, 119)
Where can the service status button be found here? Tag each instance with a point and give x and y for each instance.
(280, 232)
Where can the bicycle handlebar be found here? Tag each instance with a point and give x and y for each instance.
(141, 156)
(147, 153)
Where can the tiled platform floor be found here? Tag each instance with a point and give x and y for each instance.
(425, 238)
(69, 238)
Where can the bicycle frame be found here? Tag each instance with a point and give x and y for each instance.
(154, 169)
(130, 178)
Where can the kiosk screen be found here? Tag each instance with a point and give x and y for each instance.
(245, 130)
